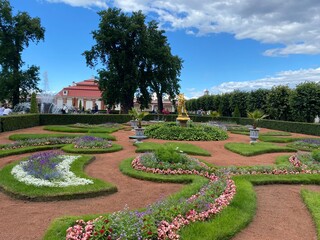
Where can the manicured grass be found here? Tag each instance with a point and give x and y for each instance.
(185, 147)
(247, 149)
(312, 201)
(240, 132)
(73, 129)
(4, 153)
(275, 139)
(271, 133)
(22, 191)
(22, 136)
(283, 161)
(71, 149)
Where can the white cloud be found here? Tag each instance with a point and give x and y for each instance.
(290, 78)
(291, 23)
(82, 3)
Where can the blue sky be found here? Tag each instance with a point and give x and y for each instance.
(225, 44)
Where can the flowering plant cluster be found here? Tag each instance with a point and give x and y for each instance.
(306, 144)
(299, 163)
(88, 142)
(164, 218)
(159, 161)
(51, 169)
(37, 142)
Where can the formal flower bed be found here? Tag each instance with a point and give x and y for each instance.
(89, 142)
(37, 142)
(307, 144)
(195, 132)
(163, 219)
(303, 163)
(51, 169)
(169, 158)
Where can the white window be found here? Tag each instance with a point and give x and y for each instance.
(65, 92)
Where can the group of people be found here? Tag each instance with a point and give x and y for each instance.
(5, 110)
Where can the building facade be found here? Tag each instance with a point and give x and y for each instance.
(87, 92)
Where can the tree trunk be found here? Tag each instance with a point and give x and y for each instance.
(160, 102)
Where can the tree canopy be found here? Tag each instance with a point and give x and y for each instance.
(16, 33)
(136, 58)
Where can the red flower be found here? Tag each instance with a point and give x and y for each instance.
(101, 231)
(149, 233)
(110, 230)
(106, 221)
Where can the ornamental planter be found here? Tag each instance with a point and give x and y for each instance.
(134, 123)
(139, 135)
(254, 135)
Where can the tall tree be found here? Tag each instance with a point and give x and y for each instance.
(120, 47)
(258, 100)
(16, 32)
(160, 68)
(305, 102)
(278, 103)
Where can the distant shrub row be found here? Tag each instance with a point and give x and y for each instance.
(9, 123)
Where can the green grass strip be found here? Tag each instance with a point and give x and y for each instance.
(247, 149)
(22, 191)
(63, 128)
(10, 152)
(312, 201)
(16, 137)
(283, 161)
(71, 149)
(275, 139)
(185, 147)
(271, 133)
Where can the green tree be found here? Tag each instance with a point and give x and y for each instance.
(236, 112)
(34, 104)
(258, 99)
(159, 67)
(16, 33)
(278, 103)
(120, 47)
(239, 98)
(305, 101)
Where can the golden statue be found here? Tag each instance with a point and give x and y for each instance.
(182, 111)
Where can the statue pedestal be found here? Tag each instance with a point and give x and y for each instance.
(183, 120)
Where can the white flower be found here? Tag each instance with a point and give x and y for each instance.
(67, 178)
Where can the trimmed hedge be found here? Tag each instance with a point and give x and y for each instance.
(14, 122)
(63, 119)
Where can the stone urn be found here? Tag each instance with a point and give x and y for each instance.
(254, 134)
(134, 124)
(139, 136)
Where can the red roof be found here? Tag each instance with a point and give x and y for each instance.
(87, 88)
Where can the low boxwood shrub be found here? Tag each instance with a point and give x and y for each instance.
(196, 132)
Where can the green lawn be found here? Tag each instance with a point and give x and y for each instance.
(247, 149)
(184, 147)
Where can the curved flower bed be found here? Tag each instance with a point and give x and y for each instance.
(50, 169)
(210, 200)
